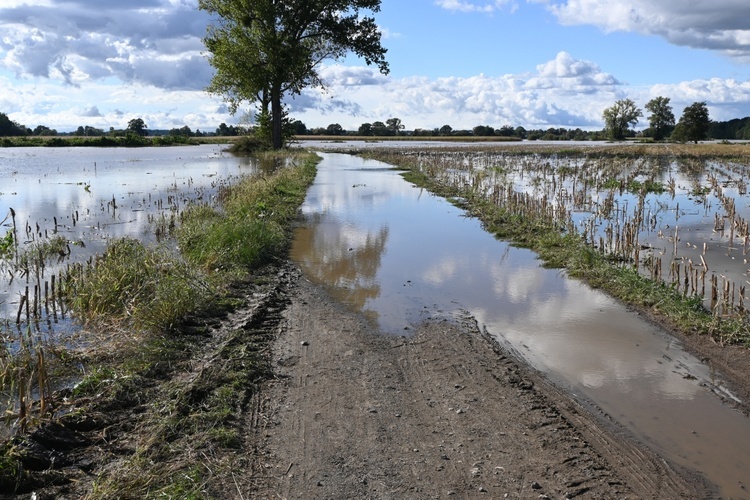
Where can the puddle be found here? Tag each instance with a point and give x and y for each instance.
(402, 255)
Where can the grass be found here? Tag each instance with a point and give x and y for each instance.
(148, 289)
(129, 140)
(150, 311)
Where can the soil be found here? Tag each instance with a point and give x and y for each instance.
(347, 412)
(443, 412)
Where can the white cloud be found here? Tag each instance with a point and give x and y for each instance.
(103, 106)
(150, 42)
(473, 6)
(721, 25)
(563, 92)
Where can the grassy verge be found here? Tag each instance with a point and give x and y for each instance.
(167, 379)
(559, 248)
(129, 140)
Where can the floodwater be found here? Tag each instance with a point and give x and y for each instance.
(92, 195)
(402, 255)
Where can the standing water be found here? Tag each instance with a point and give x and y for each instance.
(90, 196)
(402, 255)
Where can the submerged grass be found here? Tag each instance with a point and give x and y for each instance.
(562, 247)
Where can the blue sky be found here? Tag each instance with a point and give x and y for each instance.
(533, 63)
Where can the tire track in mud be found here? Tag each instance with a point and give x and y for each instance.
(445, 412)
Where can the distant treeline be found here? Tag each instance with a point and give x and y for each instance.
(10, 128)
(736, 129)
(128, 140)
(729, 130)
(739, 128)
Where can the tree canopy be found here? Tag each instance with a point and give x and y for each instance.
(620, 117)
(661, 119)
(694, 123)
(11, 128)
(263, 50)
(138, 126)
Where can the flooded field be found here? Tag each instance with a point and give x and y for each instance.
(683, 222)
(401, 255)
(82, 198)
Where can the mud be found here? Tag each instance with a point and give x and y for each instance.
(442, 413)
(346, 412)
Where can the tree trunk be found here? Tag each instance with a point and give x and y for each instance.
(276, 119)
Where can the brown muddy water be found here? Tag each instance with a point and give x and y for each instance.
(402, 255)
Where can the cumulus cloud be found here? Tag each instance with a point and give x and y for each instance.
(149, 42)
(721, 25)
(562, 92)
(558, 94)
(93, 111)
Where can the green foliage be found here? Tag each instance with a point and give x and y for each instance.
(7, 245)
(149, 288)
(249, 231)
(131, 139)
(9, 128)
(694, 124)
(153, 289)
(265, 49)
(10, 470)
(620, 117)
(93, 382)
(138, 126)
(661, 119)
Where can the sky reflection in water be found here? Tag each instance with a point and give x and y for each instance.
(401, 255)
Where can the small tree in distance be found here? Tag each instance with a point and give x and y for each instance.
(394, 125)
(620, 117)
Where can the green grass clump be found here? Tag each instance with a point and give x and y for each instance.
(250, 228)
(153, 288)
(150, 289)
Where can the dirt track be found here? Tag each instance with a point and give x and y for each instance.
(442, 413)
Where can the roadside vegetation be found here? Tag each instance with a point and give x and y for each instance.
(158, 376)
(128, 140)
(609, 249)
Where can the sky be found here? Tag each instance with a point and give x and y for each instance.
(530, 63)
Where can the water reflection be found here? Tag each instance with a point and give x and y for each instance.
(92, 195)
(402, 255)
(347, 257)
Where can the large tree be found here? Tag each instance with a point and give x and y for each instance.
(265, 49)
(661, 119)
(694, 123)
(11, 128)
(620, 117)
(138, 126)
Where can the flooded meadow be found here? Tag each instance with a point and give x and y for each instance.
(402, 256)
(59, 209)
(69, 203)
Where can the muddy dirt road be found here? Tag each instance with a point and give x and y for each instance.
(443, 413)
